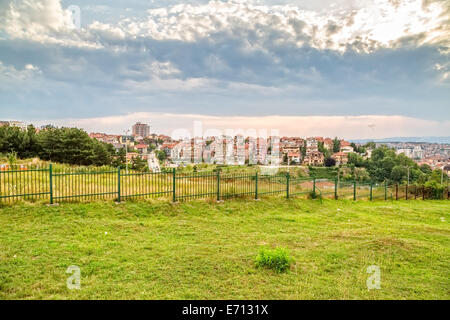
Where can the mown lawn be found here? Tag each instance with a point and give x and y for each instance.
(202, 250)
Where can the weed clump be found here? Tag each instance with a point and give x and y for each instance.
(276, 259)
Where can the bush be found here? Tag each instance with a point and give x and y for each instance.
(277, 259)
(435, 190)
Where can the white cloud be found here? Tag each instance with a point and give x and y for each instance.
(380, 23)
(350, 127)
(9, 73)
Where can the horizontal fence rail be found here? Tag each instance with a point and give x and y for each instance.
(34, 183)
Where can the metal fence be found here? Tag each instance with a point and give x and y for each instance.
(66, 185)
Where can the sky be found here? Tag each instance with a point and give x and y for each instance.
(354, 69)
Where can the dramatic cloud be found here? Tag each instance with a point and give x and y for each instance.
(224, 58)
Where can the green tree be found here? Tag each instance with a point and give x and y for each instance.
(325, 151)
(161, 155)
(73, 146)
(120, 159)
(336, 145)
(399, 174)
(139, 164)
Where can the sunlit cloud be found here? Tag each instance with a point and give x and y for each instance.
(351, 127)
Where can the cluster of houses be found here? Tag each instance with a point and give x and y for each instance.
(436, 155)
(239, 150)
(136, 145)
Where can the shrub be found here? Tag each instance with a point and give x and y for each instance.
(435, 190)
(277, 259)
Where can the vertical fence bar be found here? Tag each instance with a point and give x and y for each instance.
(371, 191)
(396, 191)
(354, 190)
(118, 185)
(385, 190)
(50, 170)
(218, 185)
(335, 189)
(174, 181)
(288, 179)
(406, 193)
(256, 186)
(314, 187)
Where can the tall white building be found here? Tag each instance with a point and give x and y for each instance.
(141, 130)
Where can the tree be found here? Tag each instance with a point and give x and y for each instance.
(73, 146)
(370, 145)
(22, 142)
(139, 164)
(356, 160)
(161, 155)
(120, 159)
(399, 173)
(330, 162)
(426, 169)
(325, 151)
(336, 145)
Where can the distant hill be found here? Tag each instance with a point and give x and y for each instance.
(407, 139)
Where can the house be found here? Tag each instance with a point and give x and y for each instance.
(126, 140)
(312, 145)
(294, 157)
(289, 149)
(340, 158)
(347, 149)
(328, 144)
(167, 148)
(345, 143)
(181, 152)
(314, 158)
(142, 148)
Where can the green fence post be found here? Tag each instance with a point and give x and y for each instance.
(314, 187)
(396, 191)
(174, 185)
(118, 186)
(354, 190)
(218, 185)
(50, 170)
(256, 186)
(335, 189)
(371, 191)
(385, 190)
(288, 179)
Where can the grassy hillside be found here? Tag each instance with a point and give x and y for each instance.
(201, 250)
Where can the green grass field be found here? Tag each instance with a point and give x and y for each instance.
(207, 250)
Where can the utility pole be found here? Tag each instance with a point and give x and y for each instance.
(407, 167)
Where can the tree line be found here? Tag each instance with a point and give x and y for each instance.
(63, 145)
(386, 165)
